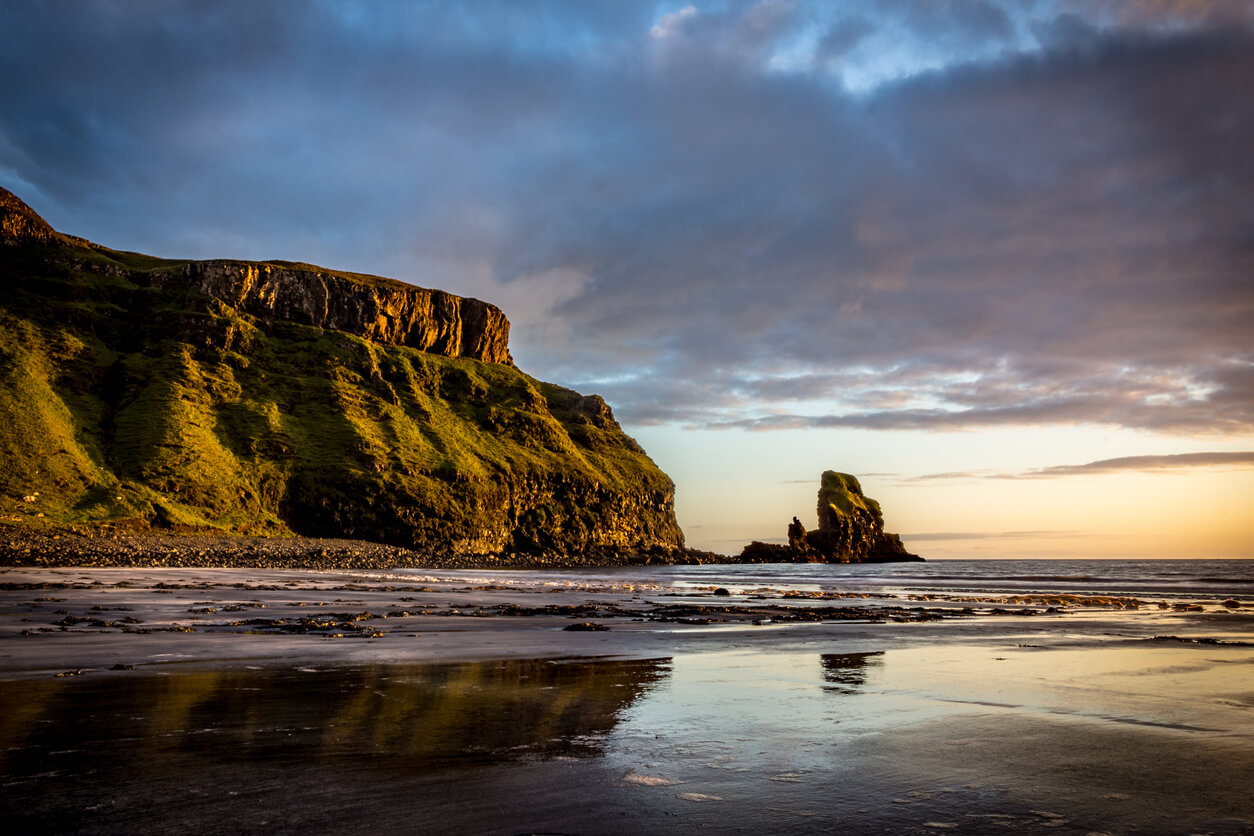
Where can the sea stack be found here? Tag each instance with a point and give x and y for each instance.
(851, 530)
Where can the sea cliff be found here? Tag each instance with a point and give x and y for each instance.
(234, 397)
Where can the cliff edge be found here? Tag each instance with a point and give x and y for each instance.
(381, 310)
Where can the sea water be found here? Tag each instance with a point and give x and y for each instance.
(1175, 580)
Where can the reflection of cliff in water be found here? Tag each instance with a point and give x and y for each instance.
(383, 719)
(846, 673)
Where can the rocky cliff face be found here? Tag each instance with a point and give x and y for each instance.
(20, 224)
(285, 398)
(851, 525)
(381, 310)
(851, 530)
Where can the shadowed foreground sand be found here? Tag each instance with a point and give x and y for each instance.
(216, 701)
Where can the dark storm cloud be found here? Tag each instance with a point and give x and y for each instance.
(1059, 231)
(840, 38)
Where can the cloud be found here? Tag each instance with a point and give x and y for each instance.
(1169, 14)
(672, 25)
(756, 215)
(1240, 460)
(994, 535)
(840, 39)
(1143, 464)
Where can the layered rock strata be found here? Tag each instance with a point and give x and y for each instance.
(381, 310)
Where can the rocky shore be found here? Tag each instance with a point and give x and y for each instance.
(25, 547)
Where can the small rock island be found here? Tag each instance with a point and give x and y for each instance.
(851, 530)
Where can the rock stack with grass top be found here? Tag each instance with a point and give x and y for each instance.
(851, 530)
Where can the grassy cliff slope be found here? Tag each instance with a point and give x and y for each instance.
(130, 396)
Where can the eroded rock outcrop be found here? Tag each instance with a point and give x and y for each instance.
(382, 310)
(851, 530)
(20, 224)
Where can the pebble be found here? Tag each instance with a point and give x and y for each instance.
(24, 547)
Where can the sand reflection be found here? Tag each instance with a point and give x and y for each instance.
(389, 718)
(846, 673)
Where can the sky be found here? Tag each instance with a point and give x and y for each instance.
(995, 258)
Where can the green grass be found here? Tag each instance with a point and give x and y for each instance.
(122, 402)
(843, 493)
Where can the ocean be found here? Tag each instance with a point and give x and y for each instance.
(1170, 580)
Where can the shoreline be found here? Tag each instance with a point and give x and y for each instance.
(296, 701)
(58, 619)
(22, 547)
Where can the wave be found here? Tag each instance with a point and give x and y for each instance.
(1176, 580)
(967, 578)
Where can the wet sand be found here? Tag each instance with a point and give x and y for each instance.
(230, 700)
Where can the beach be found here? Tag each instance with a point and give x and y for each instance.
(609, 418)
(990, 698)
